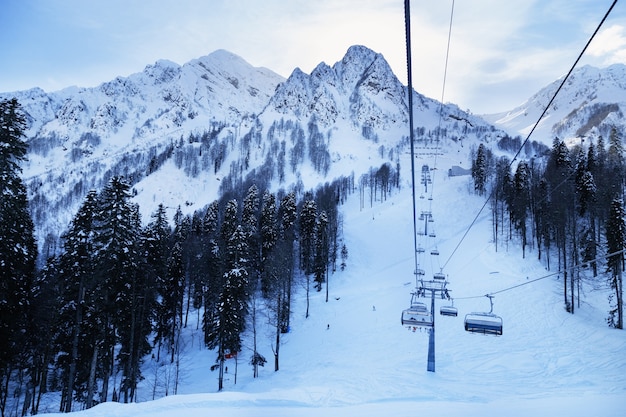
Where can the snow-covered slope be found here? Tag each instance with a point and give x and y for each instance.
(591, 102)
(352, 356)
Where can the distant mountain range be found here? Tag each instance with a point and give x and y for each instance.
(591, 102)
(183, 135)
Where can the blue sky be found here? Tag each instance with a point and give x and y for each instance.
(501, 52)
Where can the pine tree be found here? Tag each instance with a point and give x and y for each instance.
(520, 200)
(18, 250)
(268, 235)
(499, 196)
(479, 170)
(171, 295)
(213, 280)
(308, 218)
(279, 272)
(117, 263)
(321, 250)
(615, 240)
(77, 283)
(230, 318)
(250, 224)
(559, 173)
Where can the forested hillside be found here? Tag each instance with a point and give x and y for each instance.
(213, 192)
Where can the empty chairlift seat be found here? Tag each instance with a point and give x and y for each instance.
(485, 323)
(448, 311)
(439, 276)
(417, 316)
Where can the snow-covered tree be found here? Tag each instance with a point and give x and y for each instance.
(480, 170)
(520, 200)
(268, 236)
(229, 321)
(308, 221)
(77, 284)
(117, 265)
(18, 250)
(615, 240)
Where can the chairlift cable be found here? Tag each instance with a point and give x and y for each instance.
(580, 55)
(443, 87)
(407, 27)
(443, 90)
(570, 269)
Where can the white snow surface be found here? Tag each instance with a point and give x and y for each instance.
(353, 357)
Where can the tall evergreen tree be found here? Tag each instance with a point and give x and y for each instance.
(479, 170)
(308, 219)
(520, 200)
(117, 244)
(213, 281)
(229, 321)
(559, 174)
(77, 282)
(268, 236)
(322, 248)
(18, 250)
(615, 240)
(499, 196)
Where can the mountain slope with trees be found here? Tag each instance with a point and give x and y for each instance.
(221, 198)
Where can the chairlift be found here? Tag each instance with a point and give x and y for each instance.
(417, 315)
(434, 252)
(432, 234)
(485, 323)
(420, 249)
(450, 311)
(439, 276)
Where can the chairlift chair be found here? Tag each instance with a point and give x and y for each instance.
(417, 315)
(485, 323)
(450, 311)
(434, 252)
(439, 276)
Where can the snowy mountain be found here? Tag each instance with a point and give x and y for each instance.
(215, 121)
(591, 102)
(185, 134)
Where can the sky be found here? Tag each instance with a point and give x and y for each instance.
(501, 52)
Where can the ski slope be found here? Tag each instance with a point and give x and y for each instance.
(353, 357)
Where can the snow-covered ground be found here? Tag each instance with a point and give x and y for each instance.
(353, 357)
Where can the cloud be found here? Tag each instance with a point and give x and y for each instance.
(610, 45)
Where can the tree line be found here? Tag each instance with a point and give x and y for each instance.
(117, 291)
(568, 205)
